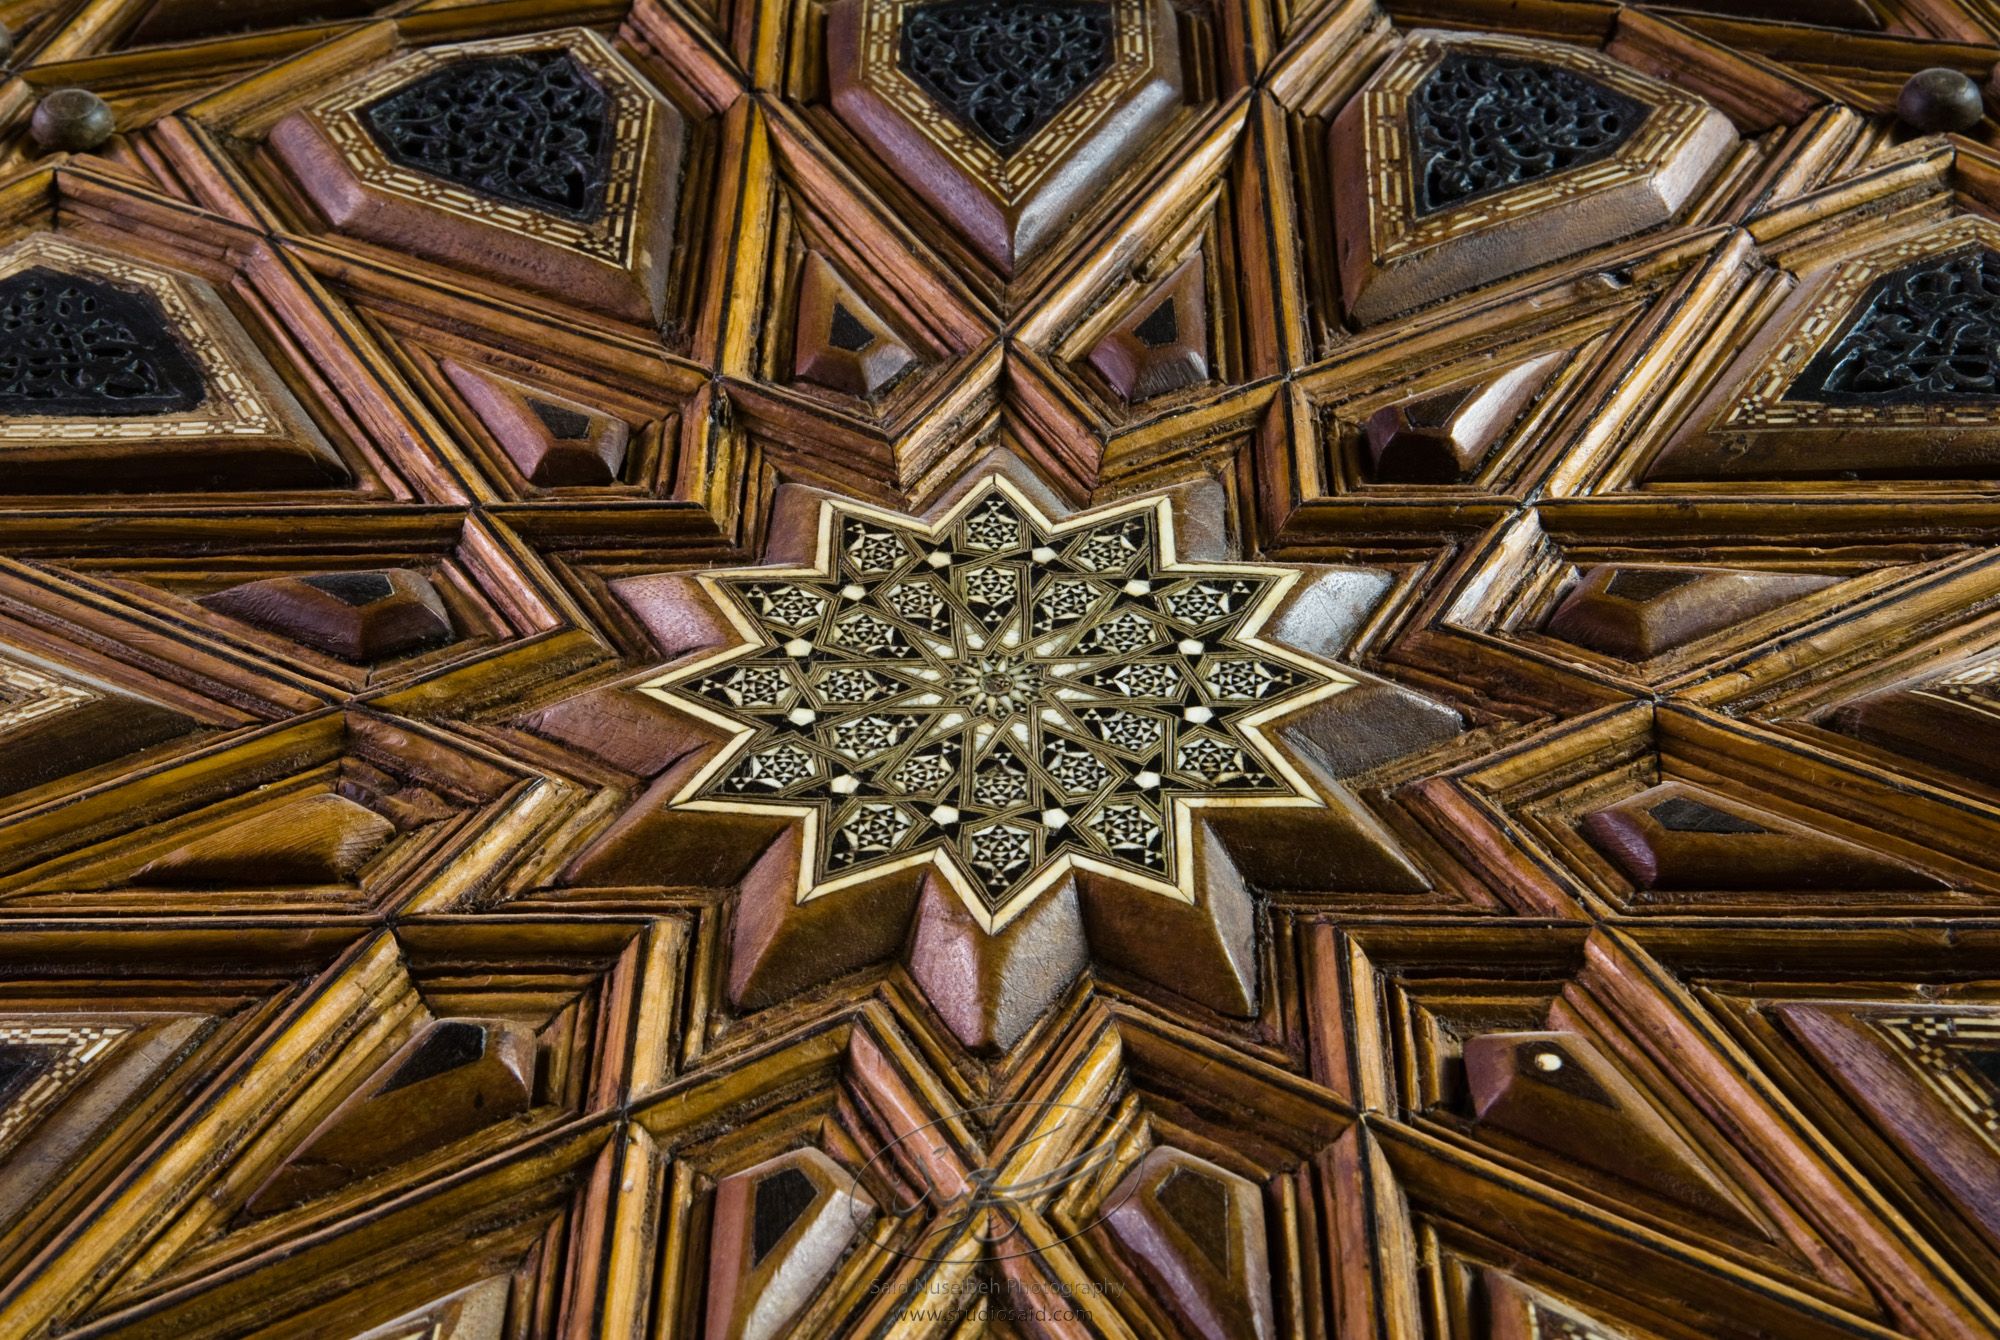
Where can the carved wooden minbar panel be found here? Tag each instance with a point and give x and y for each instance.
(1132, 668)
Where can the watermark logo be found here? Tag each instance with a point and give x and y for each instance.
(987, 1202)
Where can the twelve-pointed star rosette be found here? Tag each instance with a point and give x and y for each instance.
(1008, 699)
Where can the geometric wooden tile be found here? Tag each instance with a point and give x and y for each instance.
(1442, 437)
(357, 616)
(569, 183)
(984, 706)
(1004, 116)
(1437, 200)
(1927, 1074)
(553, 440)
(1162, 344)
(1674, 836)
(127, 366)
(1196, 1234)
(893, 667)
(1637, 613)
(838, 343)
(779, 1230)
(1877, 366)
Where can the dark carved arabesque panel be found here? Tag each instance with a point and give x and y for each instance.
(532, 130)
(1930, 330)
(1006, 70)
(1483, 125)
(70, 345)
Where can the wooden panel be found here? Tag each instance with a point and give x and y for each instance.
(1142, 668)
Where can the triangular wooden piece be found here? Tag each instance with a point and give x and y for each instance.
(1442, 436)
(1557, 1091)
(323, 839)
(554, 441)
(1876, 367)
(1636, 613)
(457, 1076)
(1929, 1077)
(54, 722)
(357, 616)
(838, 341)
(1679, 837)
(1161, 344)
(778, 1231)
(69, 1077)
(478, 1312)
(1435, 209)
(621, 727)
(43, 1061)
(1950, 719)
(649, 844)
(1516, 1312)
(1194, 1235)
(1340, 845)
(1369, 724)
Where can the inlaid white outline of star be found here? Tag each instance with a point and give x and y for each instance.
(1326, 681)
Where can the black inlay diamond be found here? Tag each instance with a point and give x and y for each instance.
(847, 332)
(351, 588)
(781, 1199)
(1643, 584)
(1681, 815)
(1983, 1062)
(564, 425)
(18, 1066)
(531, 130)
(1200, 1205)
(1927, 332)
(1482, 125)
(1006, 69)
(72, 345)
(445, 1048)
(1161, 327)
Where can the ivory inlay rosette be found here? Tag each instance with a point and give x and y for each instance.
(1007, 698)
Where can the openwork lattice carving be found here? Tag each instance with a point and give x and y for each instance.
(71, 345)
(1006, 690)
(1006, 69)
(1483, 124)
(1929, 330)
(532, 129)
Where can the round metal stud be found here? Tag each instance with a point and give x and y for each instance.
(72, 119)
(1940, 100)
